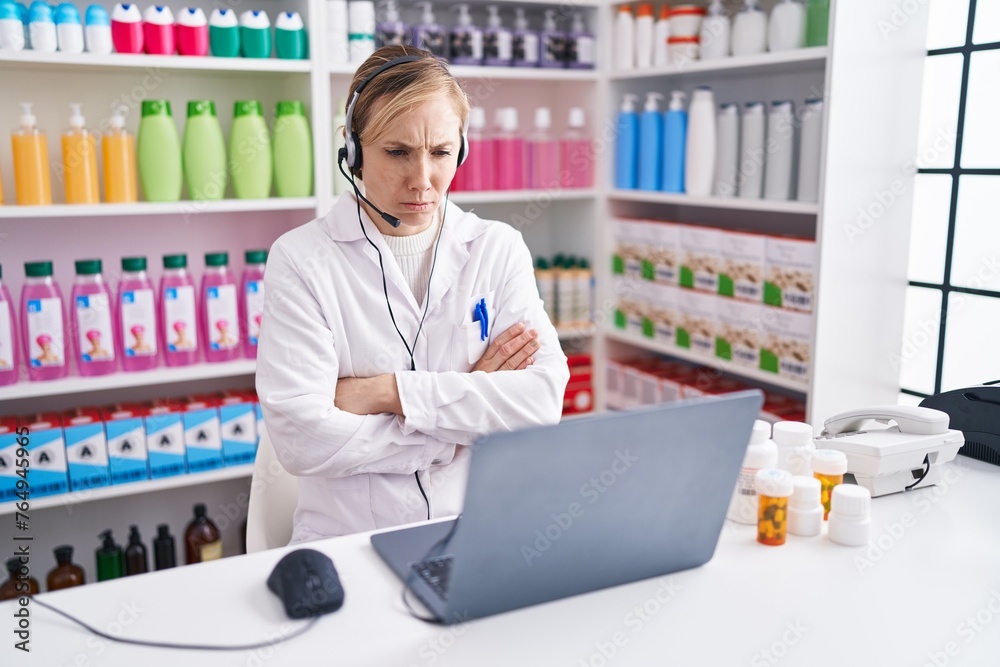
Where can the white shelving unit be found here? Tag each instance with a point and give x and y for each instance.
(732, 203)
(88, 61)
(139, 209)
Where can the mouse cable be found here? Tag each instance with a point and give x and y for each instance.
(927, 469)
(196, 647)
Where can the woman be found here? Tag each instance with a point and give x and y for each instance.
(398, 328)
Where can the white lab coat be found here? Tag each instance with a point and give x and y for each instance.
(325, 318)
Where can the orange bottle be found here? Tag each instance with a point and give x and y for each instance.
(31, 162)
(79, 149)
(120, 179)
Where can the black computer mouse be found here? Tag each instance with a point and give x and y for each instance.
(307, 583)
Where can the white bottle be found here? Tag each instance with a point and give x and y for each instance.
(761, 453)
(361, 26)
(752, 157)
(624, 39)
(97, 31)
(69, 29)
(715, 32)
(795, 447)
(810, 141)
(780, 138)
(11, 28)
(727, 130)
(644, 37)
(749, 30)
(805, 508)
(787, 27)
(337, 47)
(340, 182)
(42, 29)
(661, 33)
(699, 163)
(850, 515)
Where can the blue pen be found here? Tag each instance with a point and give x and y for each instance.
(483, 317)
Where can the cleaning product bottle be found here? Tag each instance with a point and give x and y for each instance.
(178, 313)
(391, 31)
(546, 283)
(42, 27)
(727, 130)
(164, 550)
(340, 182)
(69, 28)
(675, 126)
(699, 163)
(43, 332)
(24, 15)
(809, 150)
(651, 144)
(92, 321)
(624, 39)
(627, 145)
(715, 32)
(510, 174)
(255, 34)
(661, 32)
(580, 49)
(293, 158)
(192, 32)
(136, 560)
(752, 158)
(31, 162)
(126, 28)
(9, 352)
(480, 167)
(787, 26)
(19, 582)
(290, 36)
(66, 574)
(110, 559)
(97, 31)
(120, 180)
(780, 137)
(137, 310)
(817, 22)
(203, 154)
(361, 30)
(224, 33)
(644, 36)
(252, 301)
(250, 155)
(525, 43)
(429, 35)
(11, 27)
(576, 153)
(466, 40)
(79, 150)
(749, 30)
(497, 40)
(159, 153)
(543, 153)
(553, 42)
(158, 31)
(220, 317)
(202, 541)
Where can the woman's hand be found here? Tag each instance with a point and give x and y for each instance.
(510, 351)
(368, 396)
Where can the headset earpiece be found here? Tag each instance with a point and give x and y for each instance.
(354, 156)
(463, 151)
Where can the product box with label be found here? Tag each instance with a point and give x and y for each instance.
(664, 253)
(579, 395)
(712, 386)
(786, 348)
(46, 447)
(701, 258)
(663, 314)
(778, 408)
(662, 384)
(614, 377)
(165, 441)
(10, 440)
(740, 332)
(86, 449)
(630, 247)
(238, 423)
(128, 458)
(630, 305)
(790, 273)
(202, 433)
(743, 259)
(698, 322)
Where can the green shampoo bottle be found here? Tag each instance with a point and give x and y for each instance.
(204, 153)
(293, 157)
(158, 153)
(110, 559)
(250, 157)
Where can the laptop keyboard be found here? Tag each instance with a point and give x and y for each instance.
(437, 573)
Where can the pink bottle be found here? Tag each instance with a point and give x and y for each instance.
(136, 322)
(92, 319)
(126, 28)
(192, 32)
(158, 31)
(480, 165)
(43, 323)
(252, 301)
(543, 153)
(178, 330)
(220, 317)
(509, 149)
(576, 153)
(8, 337)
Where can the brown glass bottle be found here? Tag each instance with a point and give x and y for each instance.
(65, 574)
(202, 541)
(17, 585)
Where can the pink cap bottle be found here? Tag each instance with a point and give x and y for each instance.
(220, 317)
(252, 301)
(8, 337)
(92, 321)
(158, 31)
(137, 315)
(126, 28)
(192, 32)
(43, 323)
(178, 313)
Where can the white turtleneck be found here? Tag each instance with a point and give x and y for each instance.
(414, 254)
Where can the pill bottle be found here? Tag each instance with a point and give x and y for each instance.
(850, 515)
(828, 466)
(761, 453)
(805, 512)
(795, 447)
(773, 489)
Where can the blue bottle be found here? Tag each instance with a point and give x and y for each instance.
(651, 144)
(675, 143)
(627, 145)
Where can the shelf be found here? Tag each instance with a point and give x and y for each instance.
(91, 61)
(712, 362)
(518, 196)
(119, 490)
(734, 203)
(185, 208)
(163, 375)
(569, 333)
(783, 61)
(498, 73)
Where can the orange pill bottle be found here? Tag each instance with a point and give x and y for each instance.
(773, 489)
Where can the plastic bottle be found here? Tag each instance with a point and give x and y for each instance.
(43, 329)
(850, 516)
(805, 512)
(66, 574)
(780, 138)
(727, 130)
(624, 39)
(510, 172)
(543, 153)
(203, 154)
(337, 47)
(293, 158)
(651, 144)
(627, 145)
(749, 30)
(11, 27)
(361, 34)
(546, 282)
(817, 22)
(31, 161)
(9, 353)
(178, 313)
(340, 182)
(786, 28)
(42, 27)
(192, 32)
(465, 39)
(828, 466)
(97, 31)
(118, 148)
(69, 29)
(661, 33)
(480, 167)
(580, 48)
(79, 152)
(110, 559)
(158, 31)
(525, 48)
(202, 541)
(137, 315)
(810, 141)
(250, 154)
(290, 36)
(220, 316)
(252, 301)
(644, 36)
(497, 40)
(552, 42)
(126, 28)
(224, 33)
(255, 34)
(429, 34)
(565, 289)
(92, 320)
(164, 550)
(699, 164)
(716, 29)
(795, 447)
(19, 583)
(675, 129)
(752, 157)
(576, 153)
(391, 31)
(773, 490)
(158, 153)
(761, 453)
(136, 559)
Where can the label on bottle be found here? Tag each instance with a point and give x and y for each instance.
(220, 304)
(467, 43)
(178, 308)
(93, 327)
(525, 47)
(138, 315)
(210, 551)
(553, 48)
(497, 45)
(254, 302)
(45, 333)
(6, 339)
(580, 50)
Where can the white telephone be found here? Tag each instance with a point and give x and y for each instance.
(897, 457)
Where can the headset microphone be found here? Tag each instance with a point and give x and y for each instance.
(341, 156)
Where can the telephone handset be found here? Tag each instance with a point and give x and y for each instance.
(909, 419)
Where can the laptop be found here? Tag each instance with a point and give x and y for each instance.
(560, 510)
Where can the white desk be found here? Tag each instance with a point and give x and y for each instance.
(928, 587)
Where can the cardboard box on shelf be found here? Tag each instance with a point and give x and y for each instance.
(698, 322)
(46, 447)
(165, 440)
(787, 345)
(12, 438)
(630, 247)
(664, 253)
(741, 275)
(579, 395)
(664, 314)
(790, 273)
(238, 423)
(202, 433)
(701, 258)
(740, 332)
(86, 449)
(128, 456)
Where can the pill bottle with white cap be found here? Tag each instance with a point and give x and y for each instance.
(761, 453)
(850, 515)
(805, 512)
(773, 489)
(795, 447)
(828, 466)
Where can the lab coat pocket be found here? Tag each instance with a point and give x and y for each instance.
(469, 341)
(470, 338)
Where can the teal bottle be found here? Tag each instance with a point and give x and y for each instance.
(224, 33)
(110, 559)
(250, 156)
(158, 153)
(817, 22)
(290, 36)
(255, 34)
(204, 153)
(293, 159)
